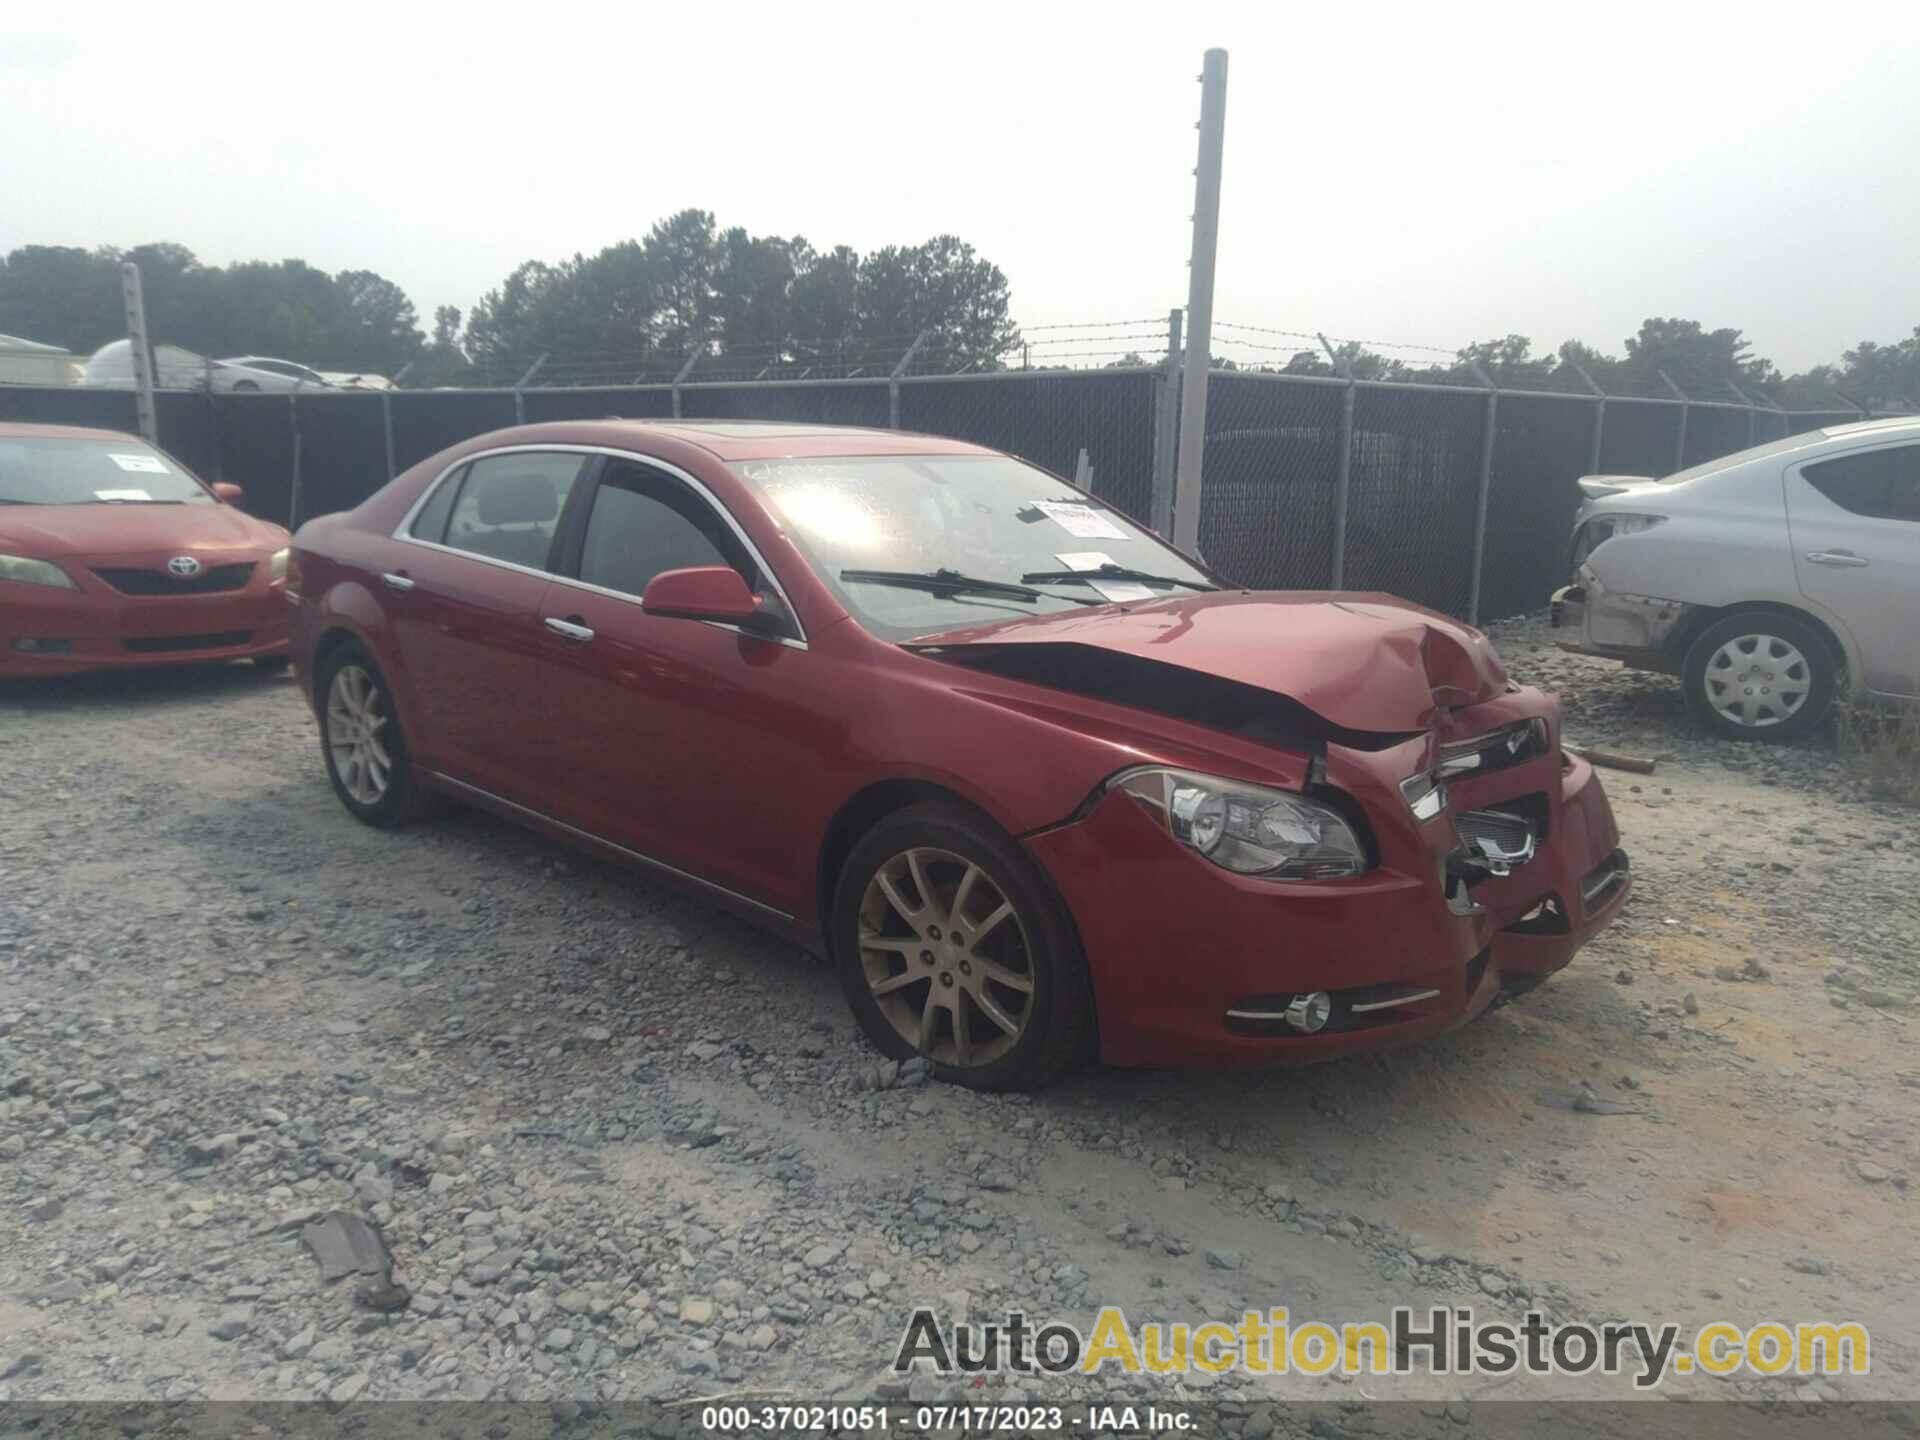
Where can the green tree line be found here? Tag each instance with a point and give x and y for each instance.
(750, 304)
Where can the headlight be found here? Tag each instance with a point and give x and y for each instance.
(277, 565)
(1249, 829)
(1602, 528)
(34, 572)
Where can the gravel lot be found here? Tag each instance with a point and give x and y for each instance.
(625, 1147)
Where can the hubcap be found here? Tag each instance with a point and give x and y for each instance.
(1757, 681)
(356, 720)
(946, 956)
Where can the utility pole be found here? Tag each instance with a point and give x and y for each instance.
(142, 353)
(1206, 239)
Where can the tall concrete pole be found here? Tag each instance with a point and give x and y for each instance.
(1206, 237)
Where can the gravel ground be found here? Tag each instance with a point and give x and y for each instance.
(624, 1147)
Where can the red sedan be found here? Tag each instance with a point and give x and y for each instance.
(114, 554)
(1036, 783)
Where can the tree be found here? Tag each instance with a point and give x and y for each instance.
(1698, 360)
(1508, 362)
(356, 320)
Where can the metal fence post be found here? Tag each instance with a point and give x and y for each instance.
(1686, 410)
(293, 490)
(1599, 413)
(520, 385)
(1485, 489)
(386, 429)
(1166, 428)
(1343, 474)
(1206, 236)
(893, 380)
(685, 370)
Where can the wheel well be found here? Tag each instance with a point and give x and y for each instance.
(329, 642)
(859, 815)
(1696, 624)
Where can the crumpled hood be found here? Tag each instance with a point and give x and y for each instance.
(56, 531)
(1362, 662)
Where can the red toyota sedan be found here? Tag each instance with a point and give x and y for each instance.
(114, 554)
(1038, 785)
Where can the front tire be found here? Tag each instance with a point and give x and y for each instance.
(951, 945)
(361, 740)
(1760, 675)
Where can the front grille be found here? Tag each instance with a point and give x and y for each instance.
(1502, 834)
(167, 644)
(1496, 750)
(160, 582)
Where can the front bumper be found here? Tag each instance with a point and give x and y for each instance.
(1176, 944)
(46, 632)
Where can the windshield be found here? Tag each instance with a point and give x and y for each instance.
(46, 470)
(980, 518)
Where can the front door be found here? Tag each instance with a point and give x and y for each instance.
(1855, 527)
(687, 738)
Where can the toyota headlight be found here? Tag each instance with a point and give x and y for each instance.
(277, 564)
(34, 572)
(1249, 829)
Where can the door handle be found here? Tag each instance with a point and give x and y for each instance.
(570, 630)
(1845, 558)
(397, 581)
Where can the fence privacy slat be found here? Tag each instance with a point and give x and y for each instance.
(1271, 479)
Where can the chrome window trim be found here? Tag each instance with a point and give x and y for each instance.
(403, 531)
(646, 860)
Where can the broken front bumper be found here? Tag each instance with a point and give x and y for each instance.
(1193, 965)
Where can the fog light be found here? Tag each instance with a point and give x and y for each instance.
(1310, 1013)
(34, 645)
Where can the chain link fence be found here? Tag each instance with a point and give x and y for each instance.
(1455, 497)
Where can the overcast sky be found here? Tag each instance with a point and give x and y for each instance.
(1431, 175)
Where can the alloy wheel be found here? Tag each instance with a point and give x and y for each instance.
(947, 957)
(356, 719)
(1757, 681)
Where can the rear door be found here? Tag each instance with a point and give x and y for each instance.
(686, 739)
(1855, 524)
(463, 605)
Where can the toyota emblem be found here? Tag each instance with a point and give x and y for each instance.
(183, 567)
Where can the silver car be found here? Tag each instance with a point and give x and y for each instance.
(1771, 581)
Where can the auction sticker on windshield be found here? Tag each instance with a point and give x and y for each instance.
(140, 464)
(1081, 521)
(121, 494)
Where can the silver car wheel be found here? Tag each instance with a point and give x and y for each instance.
(1757, 681)
(946, 956)
(356, 716)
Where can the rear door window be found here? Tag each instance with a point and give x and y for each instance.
(1878, 484)
(509, 506)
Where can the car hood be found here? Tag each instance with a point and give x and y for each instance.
(51, 531)
(1360, 662)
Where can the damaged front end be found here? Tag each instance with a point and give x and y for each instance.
(1440, 849)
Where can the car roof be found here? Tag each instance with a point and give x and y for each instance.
(742, 439)
(1881, 426)
(29, 430)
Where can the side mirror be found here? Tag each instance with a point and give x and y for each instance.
(228, 494)
(702, 592)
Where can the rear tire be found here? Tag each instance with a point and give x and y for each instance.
(952, 945)
(1760, 675)
(361, 740)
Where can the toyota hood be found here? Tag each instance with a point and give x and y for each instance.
(1360, 662)
(52, 532)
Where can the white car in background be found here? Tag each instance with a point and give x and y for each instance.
(176, 369)
(1771, 581)
(294, 375)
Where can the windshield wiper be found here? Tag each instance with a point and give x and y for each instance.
(1111, 571)
(943, 581)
